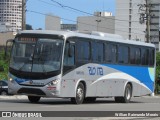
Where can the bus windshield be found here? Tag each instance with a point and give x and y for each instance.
(39, 55)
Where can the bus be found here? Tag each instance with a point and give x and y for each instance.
(80, 66)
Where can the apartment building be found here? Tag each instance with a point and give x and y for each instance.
(127, 20)
(11, 14)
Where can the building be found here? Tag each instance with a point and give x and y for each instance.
(4, 27)
(155, 22)
(71, 27)
(11, 13)
(5, 36)
(127, 20)
(101, 21)
(52, 22)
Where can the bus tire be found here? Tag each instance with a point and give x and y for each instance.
(127, 95)
(90, 99)
(34, 99)
(80, 93)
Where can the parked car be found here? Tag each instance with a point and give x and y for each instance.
(3, 87)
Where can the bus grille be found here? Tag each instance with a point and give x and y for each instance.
(31, 91)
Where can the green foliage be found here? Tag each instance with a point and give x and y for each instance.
(28, 27)
(157, 87)
(157, 64)
(3, 64)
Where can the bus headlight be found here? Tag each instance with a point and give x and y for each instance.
(10, 79)
(54, 82)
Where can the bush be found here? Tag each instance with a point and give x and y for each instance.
(4, 62)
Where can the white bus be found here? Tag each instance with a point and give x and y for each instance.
(80, 66)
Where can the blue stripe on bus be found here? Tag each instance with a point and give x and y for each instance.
(143, 74)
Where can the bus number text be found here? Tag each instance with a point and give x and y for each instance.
(95, 70)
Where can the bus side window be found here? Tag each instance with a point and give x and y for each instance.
(69, 60)
(114, 53)
(83, 51)
(97, 52)
(111, 53)
(151, 57)
(145, 56)
(123, 54)
(137, 56)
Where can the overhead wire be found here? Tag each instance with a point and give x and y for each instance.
(77, 10)
(79, 22)
(65, 6)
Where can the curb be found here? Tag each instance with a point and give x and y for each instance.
(14, 97)
(25, 97)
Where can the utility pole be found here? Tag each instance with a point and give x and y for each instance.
(98, 21)
(146, 16)
(148, 21)
(23, 14)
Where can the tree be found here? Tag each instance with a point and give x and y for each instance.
(157, 71)
(28, 27)
(3, 65)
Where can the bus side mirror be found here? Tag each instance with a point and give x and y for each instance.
(71, 48)
(7, 45)
(1, 68)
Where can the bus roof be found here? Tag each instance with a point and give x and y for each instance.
(98, 36)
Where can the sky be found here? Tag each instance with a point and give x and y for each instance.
(36, 10)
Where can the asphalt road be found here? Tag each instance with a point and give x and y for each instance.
(18, 103)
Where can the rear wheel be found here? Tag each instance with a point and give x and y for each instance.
(33, 99)
(80, 92)
(127, 95)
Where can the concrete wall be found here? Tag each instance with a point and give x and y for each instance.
(93, 23)
(52, 22)
(4, 37)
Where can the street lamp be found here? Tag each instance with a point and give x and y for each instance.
(98, 21)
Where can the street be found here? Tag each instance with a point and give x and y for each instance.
(18, 103)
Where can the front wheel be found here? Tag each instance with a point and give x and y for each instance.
(127, 95)
(33, 99)
(80, 93)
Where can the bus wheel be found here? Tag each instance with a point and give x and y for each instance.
(80, 92)
(90, 99)
(127, 95)
(33, 99)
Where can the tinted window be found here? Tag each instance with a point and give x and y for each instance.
(83, 50)
(111, 53)
(145, 56)
(135, 55)
(2, 83)
(151, 57)
(97, 52)
(123, 54)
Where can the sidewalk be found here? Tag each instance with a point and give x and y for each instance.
(13, 97)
